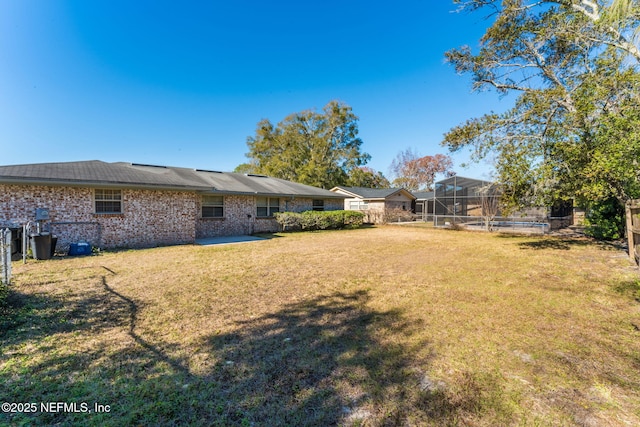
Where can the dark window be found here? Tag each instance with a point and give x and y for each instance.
(212, 207)
(318, 205)
(108, 201)
(267, 206)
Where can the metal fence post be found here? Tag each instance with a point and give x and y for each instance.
(5, 256)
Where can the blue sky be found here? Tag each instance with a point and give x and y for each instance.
(185, 83)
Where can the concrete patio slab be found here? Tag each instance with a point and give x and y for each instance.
(225, 240)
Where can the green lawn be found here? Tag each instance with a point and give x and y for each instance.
(378, 326)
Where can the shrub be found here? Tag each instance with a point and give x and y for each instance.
(319, 220)
(605, 220)
(290, 221)
(352, 219)
(312, 221)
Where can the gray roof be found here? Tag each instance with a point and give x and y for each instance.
(371, 193)
(423, 195)
(96, 173)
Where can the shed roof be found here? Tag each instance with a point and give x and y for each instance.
(95, 173)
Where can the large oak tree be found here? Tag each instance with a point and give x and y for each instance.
(572, 131)
(367, 177)
(309, 147)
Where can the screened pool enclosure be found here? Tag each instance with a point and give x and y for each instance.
(472, 203)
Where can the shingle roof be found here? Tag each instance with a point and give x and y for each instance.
(370, 193)
(423, 195)
(96, 173)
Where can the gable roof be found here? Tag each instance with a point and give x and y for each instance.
(372, 193)
(96, 173)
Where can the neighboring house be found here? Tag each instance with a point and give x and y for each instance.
(136, 205)
(377, 203)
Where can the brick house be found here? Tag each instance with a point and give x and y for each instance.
(377, 203)
(135, 205)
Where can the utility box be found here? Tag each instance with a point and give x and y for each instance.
(42, 214)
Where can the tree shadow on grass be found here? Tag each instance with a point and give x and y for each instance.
(328, 360)
(629, 288)
(79, 344)
(321, 362)
(333, 360)
(561, 243)
(93, 308)
(558, 244)
(36, 315)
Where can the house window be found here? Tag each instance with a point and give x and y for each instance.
(358, 205)
(267, 206)
(108, 201)
(317, 205)
(212, 206)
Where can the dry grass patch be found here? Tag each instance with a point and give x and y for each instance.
(382, 326)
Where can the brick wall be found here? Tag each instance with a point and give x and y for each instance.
(149, 218)
(240, 216)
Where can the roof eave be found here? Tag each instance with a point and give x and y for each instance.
(96, 184)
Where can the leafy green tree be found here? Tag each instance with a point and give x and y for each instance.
(573, 65)
(309, 147)
(244, 168)
(367, 178)
(603, 220)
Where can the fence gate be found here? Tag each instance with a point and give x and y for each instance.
(5, 256)
(633, 229)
